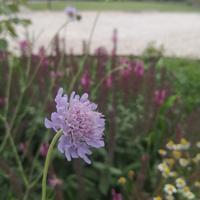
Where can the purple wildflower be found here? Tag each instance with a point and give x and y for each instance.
(116, 195)
(109, 81)
(72, 13)
(82, 126)
(85, 81)
(44, 149)
(54, 181)
(24, 46)
(139, 69)
(160, 96)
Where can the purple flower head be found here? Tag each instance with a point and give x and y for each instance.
(109, 81)
(116, 195)
(85, 81)
(139, 69)
(54, 181)
(44, 149)
(160, 96)
(82, 126)
(72, 13)
(24, 46)
(126, 71)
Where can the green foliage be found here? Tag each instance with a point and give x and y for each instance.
(9, 21)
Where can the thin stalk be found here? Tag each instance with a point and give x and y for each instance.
(47, 162)
(18, 159)
(8, 89)
(77, 75)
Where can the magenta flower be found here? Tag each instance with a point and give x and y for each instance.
(54, 181)
(109, 81)
(116, 196)
(24, 46)
(44, 149)
(160, 96)
(139, 69)
(85, 81)
(82, 126)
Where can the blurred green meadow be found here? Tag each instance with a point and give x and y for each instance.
(118, 6)
(150, 103)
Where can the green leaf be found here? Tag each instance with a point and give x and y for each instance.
(3, 44)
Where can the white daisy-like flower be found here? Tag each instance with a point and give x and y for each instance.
(170, 189)
(180, 183)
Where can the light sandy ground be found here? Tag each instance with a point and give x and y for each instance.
(178, 32)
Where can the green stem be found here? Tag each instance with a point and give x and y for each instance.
(77, 75)
(47, 162)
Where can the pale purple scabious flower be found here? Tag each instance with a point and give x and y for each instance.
(82, 126)
(71, 12)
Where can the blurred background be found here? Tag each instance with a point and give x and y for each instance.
(138, 60)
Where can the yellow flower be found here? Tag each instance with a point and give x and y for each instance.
(180, 183)
(184, 162)
(157, 198)
(170, 189)
(170, 161)
(164, 169)
(196, 159)
(173, 174)
(189, 195)
(162, 152)
(131, 174)
(184, 144)
(176, 154)
(169, 197)
(198, 144)
(122, 180)
(170, 145)
(186, 189)
(197, 184)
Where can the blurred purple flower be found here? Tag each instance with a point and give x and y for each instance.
(54, 181)
(82, 126)
(72, 13)
(109, 82)
(125, 63)
(43, 57)
(116, 195)
(24, 46)
(101, 51)
(160, 96)
(85, 81)
(139, 69)
(44, 149)
(23, 147)
(57, 74)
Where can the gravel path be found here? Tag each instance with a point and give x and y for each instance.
(178, 32)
